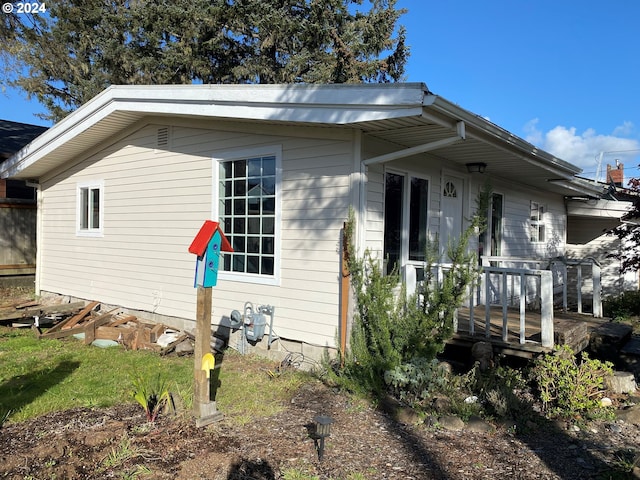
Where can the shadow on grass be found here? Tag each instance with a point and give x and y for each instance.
(21, 390)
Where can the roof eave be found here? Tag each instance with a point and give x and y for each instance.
(321, 104)
(477, 125)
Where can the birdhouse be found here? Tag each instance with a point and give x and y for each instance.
(208, 245)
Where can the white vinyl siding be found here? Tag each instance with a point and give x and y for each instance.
(157, 201)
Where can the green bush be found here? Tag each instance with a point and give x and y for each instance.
(504, 392)
(571, 386)
(415, 381)
(392, 328)
(625, 305)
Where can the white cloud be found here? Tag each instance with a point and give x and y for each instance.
(584, 149)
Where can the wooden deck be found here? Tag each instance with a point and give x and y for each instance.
(572, 329)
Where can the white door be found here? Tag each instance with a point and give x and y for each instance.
(452, 195)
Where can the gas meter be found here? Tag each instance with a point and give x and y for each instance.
(254, 322)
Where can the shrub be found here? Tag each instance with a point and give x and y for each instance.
(625, 305)
(415, 381)
(504, 392)
(571, 386)
(390, 327)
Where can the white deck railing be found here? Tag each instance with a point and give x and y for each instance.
(562, 268)
(488, 288)
(528, 289)
(516, 278)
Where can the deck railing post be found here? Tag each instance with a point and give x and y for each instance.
(565, 302)
(505, 318)
(579, 281)
(546, 308)
(597, 292)
(487, 305)
(523, 298)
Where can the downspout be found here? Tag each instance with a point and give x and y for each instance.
(427, 147)
(39, 238)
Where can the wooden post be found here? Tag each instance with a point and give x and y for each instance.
(204, 409)
(344, 294)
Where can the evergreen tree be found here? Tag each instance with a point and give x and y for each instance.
(79, 47)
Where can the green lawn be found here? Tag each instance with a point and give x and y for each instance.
(42, 376)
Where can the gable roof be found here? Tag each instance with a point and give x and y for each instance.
(15, 135)
(407, 116)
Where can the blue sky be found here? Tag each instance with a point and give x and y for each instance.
(564, 75)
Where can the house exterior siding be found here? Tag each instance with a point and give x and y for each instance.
(156, 199)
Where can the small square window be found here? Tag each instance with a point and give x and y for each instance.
(90, 209)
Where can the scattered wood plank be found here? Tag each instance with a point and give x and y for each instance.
(90, 326)
(80, 316)
(123, 320)
(126, 329)
(40, 311)
(32, 303)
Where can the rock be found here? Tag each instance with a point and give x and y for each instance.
(630, 415)
(399, 412)
(441, 404)
(451, 422)
(482, 353)
(477, 424)
(621, 382)
(606, 402)
(407, 416)
(184, 348)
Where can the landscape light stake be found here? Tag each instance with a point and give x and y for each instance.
(322, 430)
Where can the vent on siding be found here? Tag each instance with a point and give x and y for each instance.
(163, 137)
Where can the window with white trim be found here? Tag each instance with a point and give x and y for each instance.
(405, 219)
(90, 206)
(537, 226)
(248, 214)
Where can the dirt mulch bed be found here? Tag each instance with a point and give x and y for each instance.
(118, 443)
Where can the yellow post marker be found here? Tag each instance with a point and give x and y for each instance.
(208, 364)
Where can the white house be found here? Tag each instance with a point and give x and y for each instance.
(126, 181)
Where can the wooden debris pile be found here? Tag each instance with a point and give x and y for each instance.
(94, 325)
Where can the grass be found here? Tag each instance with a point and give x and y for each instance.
(42, 376)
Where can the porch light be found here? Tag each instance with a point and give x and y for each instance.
(476, 167)
(322, 425)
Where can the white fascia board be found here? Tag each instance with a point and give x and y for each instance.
(62, 132)
(329, 104)
(325, 104)
(598, 208)
(277, 95)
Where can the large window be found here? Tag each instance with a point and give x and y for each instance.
(537, 226)
(490, 240)
(247, 211)
(405, 220)
(90, 208)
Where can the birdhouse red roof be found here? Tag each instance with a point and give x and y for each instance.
(204, 236)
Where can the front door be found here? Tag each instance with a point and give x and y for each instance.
(451, 208)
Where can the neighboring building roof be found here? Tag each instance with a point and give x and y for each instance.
(407, 116)
(15, 135)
